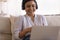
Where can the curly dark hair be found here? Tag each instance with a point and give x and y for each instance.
(24, 1)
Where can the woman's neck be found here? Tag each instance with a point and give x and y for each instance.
(31, 15)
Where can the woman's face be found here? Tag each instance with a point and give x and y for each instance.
(30, 7)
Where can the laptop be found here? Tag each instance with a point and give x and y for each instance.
(44, 33)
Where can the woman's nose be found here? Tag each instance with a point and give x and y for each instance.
(31, 8)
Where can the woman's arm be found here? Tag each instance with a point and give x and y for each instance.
(23, 33)
(18, 32)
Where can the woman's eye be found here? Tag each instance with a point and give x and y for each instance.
(33, 6)
(28, 6)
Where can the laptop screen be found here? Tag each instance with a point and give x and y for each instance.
(44, 33)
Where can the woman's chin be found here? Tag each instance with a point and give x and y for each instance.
(30, 12)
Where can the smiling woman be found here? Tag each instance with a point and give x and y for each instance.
(22, 27)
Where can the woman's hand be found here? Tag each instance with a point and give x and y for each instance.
(24, 32)
(28, 29)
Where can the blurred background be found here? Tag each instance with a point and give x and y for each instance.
(45, 7)
(13, 7)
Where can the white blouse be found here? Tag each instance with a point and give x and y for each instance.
(26, 22)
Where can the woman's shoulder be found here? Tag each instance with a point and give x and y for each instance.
(21, 17)
(40, 16)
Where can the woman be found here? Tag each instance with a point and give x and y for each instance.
(24, 25)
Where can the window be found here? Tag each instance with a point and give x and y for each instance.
(45, 7)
